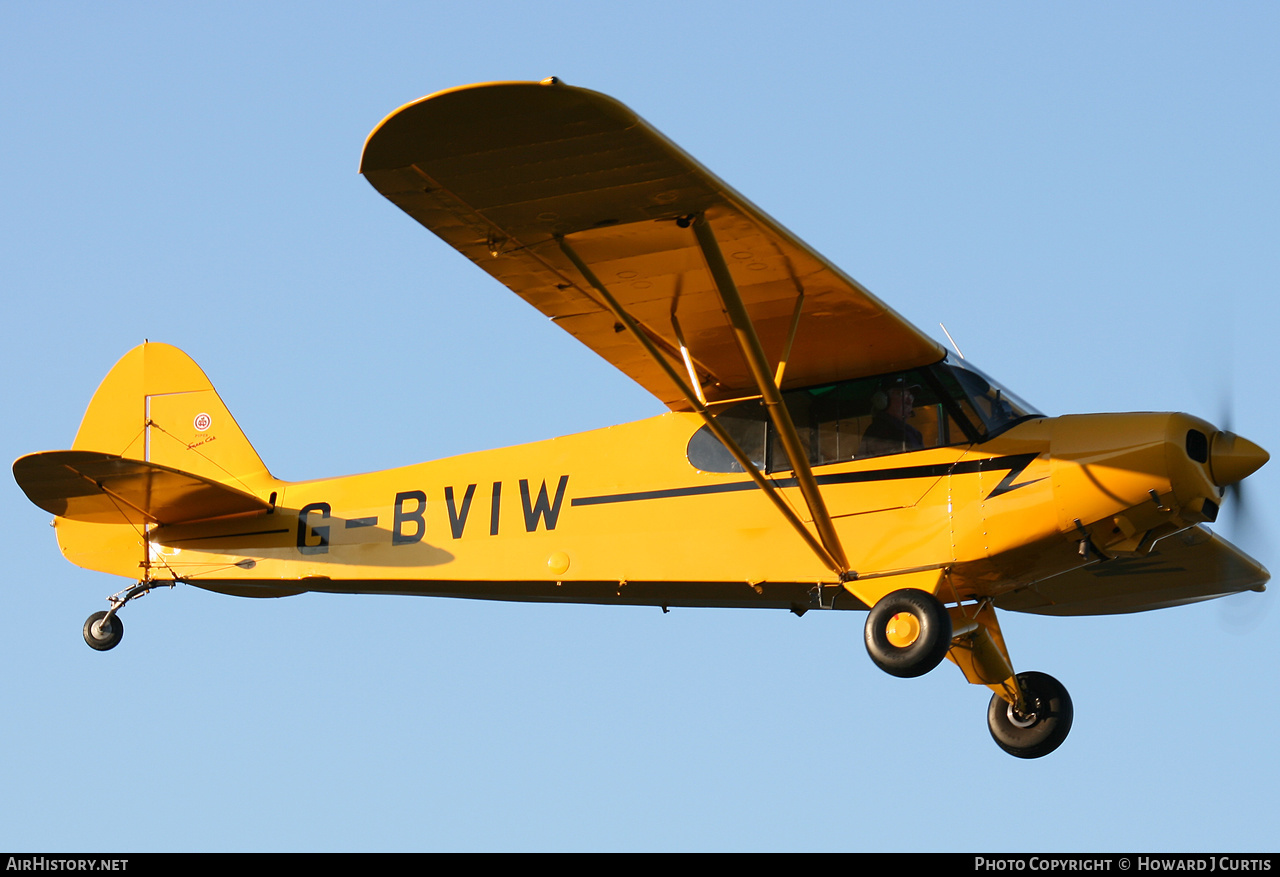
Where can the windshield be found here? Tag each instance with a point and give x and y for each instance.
(997, 409)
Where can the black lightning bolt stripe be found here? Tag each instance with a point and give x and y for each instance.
(1014, 464)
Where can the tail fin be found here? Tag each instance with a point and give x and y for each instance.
(157, 406)
(157, 446)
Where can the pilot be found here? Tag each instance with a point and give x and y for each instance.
(889, 432)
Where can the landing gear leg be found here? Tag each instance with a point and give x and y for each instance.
(104, 630)
(1030, 713)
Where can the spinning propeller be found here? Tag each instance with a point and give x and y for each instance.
(1231, 460)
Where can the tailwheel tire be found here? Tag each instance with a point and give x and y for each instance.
(1042, 728)
(908, 633)
(102, 636)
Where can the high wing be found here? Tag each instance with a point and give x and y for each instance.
(1186, 567)
(526, 179)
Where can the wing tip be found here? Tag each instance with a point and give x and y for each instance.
(386, 147)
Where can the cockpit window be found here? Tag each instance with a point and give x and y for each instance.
(936, 406)
(997, 409)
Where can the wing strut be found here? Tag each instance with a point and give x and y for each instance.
(791, 336)
(836, 563)
(753, 353)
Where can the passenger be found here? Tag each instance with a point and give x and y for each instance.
(889, 432)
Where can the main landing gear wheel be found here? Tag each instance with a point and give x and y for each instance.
(908, 633)
(103, 634)
(1042, 728)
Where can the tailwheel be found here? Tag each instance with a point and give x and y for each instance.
(104, 630)
(1041, 727)
(908, 633)
(103, 633)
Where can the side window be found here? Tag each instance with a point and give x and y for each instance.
(836, 423)
(747, 425)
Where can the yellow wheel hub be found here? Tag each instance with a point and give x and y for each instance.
(903, 630)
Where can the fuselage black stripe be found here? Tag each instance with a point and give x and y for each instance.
(1013, 464)
(226, 536)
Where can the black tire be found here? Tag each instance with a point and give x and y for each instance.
(1043, 728)
(108, 637)
(929, 646)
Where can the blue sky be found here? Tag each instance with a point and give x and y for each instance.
(1086, 194)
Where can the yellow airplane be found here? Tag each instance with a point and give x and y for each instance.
(820, 452)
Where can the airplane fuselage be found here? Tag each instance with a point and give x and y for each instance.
(620, 515)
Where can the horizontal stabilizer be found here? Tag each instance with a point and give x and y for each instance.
(104, 488)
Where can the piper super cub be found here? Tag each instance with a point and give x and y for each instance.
(820, 452)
